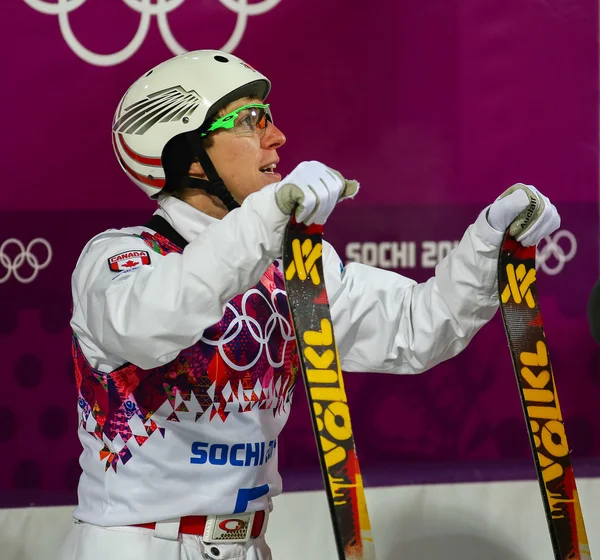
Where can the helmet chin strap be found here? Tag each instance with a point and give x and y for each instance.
(214, 186)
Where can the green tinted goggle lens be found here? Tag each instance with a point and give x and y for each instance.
(258, 113)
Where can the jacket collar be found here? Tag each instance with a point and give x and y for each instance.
(184, 218)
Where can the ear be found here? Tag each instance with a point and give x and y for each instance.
(197, 171)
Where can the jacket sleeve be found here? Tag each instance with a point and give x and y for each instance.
(385, 322)
(147, 316)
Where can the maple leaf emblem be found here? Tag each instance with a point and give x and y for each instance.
(129, 264)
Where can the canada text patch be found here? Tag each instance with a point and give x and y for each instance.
(128, 260)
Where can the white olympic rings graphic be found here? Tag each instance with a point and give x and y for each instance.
(255, 330)
(25, 256)
(552, 250)
(147, 10)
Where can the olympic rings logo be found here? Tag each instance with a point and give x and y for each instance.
(253, 328)
(25, 258)
(551, 255)
(147, 10)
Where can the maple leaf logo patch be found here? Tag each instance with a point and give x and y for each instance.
(129, 260)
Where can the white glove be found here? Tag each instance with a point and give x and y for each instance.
(530, 215)
(312, 190)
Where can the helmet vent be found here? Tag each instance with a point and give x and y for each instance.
(148, 73)
(220, 58)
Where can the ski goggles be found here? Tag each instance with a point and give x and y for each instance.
(245, 120)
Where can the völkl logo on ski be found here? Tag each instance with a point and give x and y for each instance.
(321, 368)
(539, 397)
(305, 257)
(520, 281)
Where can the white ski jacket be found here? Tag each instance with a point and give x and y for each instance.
(153, 448)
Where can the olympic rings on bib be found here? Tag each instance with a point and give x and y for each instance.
(276, 321)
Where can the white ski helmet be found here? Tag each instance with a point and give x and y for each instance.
(177, 96)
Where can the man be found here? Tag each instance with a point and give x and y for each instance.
(183, 345)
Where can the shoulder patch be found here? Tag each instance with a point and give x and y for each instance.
(128, 260)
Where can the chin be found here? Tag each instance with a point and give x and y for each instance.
(262, 182)
(270, 179)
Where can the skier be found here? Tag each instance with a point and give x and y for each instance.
(183, 345)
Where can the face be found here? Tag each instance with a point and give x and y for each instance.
(244, 157)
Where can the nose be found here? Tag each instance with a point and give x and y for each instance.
(273, 137)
